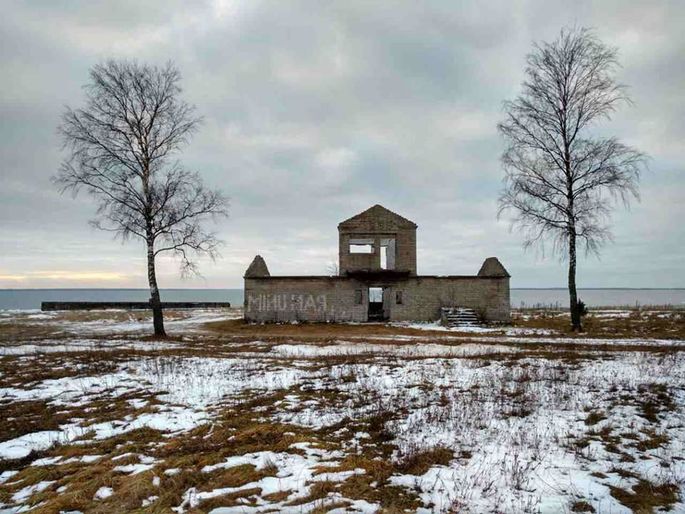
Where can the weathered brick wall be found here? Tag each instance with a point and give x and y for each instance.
(405, 251)
(377, 223)
(276, 299)
(357, 261)
(422, 297)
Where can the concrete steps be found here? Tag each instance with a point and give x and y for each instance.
(460, 317)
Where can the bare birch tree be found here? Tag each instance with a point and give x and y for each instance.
(562, 181)
(122, 149)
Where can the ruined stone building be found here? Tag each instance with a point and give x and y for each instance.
(377, 280)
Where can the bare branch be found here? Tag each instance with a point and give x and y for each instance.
(120, 149)
(560, 182)
(555, 170)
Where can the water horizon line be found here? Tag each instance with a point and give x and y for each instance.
(550, 288)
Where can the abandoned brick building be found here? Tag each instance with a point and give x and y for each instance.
(376, 280)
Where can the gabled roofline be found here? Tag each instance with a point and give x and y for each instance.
(400, 218)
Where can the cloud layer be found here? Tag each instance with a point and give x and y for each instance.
(316, 110)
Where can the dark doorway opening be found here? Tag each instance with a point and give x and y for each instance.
(376, 312)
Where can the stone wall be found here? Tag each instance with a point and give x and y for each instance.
(275, 299)
(422, 297)
(376, 224)
(404, 257)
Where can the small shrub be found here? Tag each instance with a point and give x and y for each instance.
(595, 417)
(582, 308)
(646, 496)
(582, 506)
(418, 462)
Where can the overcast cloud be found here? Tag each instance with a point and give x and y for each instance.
(315, 111)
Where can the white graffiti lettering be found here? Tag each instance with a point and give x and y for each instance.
(281, 302)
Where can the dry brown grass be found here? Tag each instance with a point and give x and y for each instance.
(24, 417)
(10, 333)
(595, 417)
(83, 480)
(638, 324)
(244, 427)
(31, 369)
(581, 506)
(646, 496)
(418, 462)
(319, 331)
(236, 432)
(22, 327)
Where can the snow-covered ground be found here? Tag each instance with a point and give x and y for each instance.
(476, 329)
(528, 430)
(114, 322)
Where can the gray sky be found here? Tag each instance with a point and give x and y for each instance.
(315, 111)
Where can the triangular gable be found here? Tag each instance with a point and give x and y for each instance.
(377, 214)
(257, 268)
(492, 267)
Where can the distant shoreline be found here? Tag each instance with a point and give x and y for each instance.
(241, 289)
(521, 297)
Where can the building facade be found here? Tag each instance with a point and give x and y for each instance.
(377, 280)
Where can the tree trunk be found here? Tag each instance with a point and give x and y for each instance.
(155, 301)
(573, 294)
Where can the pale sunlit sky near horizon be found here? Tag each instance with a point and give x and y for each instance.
(314, 111)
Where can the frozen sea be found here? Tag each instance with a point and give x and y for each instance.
(553, 297)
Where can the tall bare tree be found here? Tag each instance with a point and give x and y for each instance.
(122, 149)
(562, 181)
